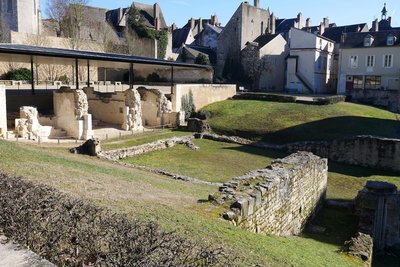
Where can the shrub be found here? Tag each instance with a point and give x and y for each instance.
(202, 60)
(64, 79)
(21, 74)
(69, 232)
(154, 77)
(187, 105)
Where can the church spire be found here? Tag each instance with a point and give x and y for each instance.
(384, 12)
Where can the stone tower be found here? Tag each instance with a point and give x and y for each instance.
(21, 15)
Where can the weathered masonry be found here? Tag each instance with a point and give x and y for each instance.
(368, 151)
(378, 206)
(3, 110)
(279, 199)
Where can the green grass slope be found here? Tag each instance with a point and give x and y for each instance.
(173, 204)
(291, 122)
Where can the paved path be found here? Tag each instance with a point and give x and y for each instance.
(13, 255)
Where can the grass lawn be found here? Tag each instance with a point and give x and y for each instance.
(291, 122)
(345, 181)
(213, 162)
(141, 138)
(173, 204)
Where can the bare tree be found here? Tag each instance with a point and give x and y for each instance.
(69, 15)
(57, 10)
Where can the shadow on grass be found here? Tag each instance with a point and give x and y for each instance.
(323, 130)
(269, 153)
(358, 171)
(340, 225)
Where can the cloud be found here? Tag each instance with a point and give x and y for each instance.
(181, 2)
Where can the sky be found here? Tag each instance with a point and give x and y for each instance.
(341, 12)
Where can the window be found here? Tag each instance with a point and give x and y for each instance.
(372, 82)
(262, 27)
(368, 40)
(358, 82)
(319, 62)
(370, 61)
(353, 62)
(390, 39)
(387, 61)
(9, 6)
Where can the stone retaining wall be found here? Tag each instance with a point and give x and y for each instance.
(279, 199)
(389, 99)
(367, 151)
(119, 154)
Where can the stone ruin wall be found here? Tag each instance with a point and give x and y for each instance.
(3, 110)
(157, 109)
(367, 151)
(279, 199)
(378, 207)
(71, 113)
(389, 99)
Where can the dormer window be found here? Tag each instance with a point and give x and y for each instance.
(390, 39)
(368, 40)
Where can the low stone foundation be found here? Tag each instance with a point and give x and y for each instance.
(367, 151)
(279, 199)
(119, 154)
(389, 99)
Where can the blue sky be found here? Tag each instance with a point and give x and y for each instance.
(341, 12)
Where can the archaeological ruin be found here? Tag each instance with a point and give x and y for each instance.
(105, 95)
(279, 199)
(378, 207)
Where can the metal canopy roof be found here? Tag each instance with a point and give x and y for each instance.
(87, 55)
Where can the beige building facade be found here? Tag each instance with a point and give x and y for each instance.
(370, 61)
(310, 65)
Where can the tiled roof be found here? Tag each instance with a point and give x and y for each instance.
(145, 10)
(112, 16)
(356, 40)
(179, 37)
(147, 13)
(264, 39)
(284, 25)
(335, 33)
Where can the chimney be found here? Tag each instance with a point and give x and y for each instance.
(300, 21)
(173, 27)
(191, 23)
(200, 25)
(390, 21)
(156, 12)
(120, 14)
(272, 25)
(308, 22)
(213, 20)
(375, 26)
(321, 28)
(326, 23)
(257, 3)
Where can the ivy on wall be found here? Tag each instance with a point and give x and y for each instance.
(136, 22)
